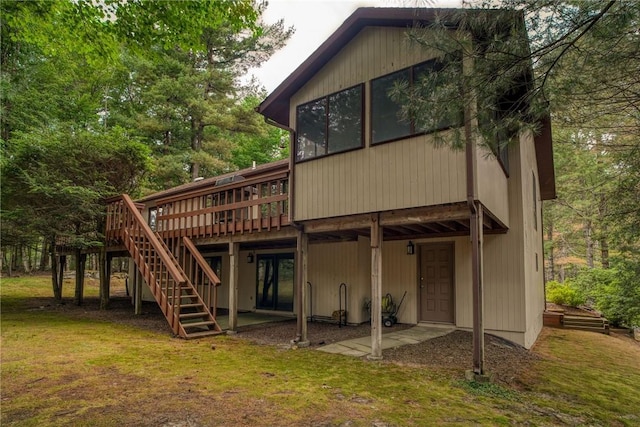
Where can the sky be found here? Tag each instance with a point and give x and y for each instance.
(314, 21)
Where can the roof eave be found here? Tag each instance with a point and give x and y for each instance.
(193, 186)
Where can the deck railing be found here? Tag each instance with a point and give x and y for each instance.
(256, 204)
(173, 288)
(202, 276)
(125, 224)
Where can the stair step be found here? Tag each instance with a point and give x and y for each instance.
(589, 328)
(193, 315)
(203, 334)
(583, 321)
(195, 304)
(585, 324)
(197, 324)
(182, 296)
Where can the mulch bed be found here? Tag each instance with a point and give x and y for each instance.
(454, 351)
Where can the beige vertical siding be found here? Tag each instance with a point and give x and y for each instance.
(504, 304)
(402, 174)
(146, 291)
(223, 289)
(492, 185)
(397, 175)
(514, 293)
(374, 52)
(534, 275)
(350, 262)
(329, 265)
(400, 273)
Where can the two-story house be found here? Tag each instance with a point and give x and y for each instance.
(366, 205)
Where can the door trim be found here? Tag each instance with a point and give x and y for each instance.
(452, 248)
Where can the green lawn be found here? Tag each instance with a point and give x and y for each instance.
(61, 369)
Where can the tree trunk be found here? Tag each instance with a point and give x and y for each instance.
(26, 258)
(604, 242)
(43, 255)
(10, 263)
(563, 255)
(589, 242)
(15, 258)
(604, 251)
(56, 276)
(197, 134)
(63, 267)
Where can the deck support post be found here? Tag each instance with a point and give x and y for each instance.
(81, 262)
(376, 288)
(478, 290)
(476, 224)
(234, 249)
(302, 248)
(105, 278)
(137, 291)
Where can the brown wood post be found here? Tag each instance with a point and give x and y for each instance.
(301, 288)
(132, 271)
(478, 290)
(476, 224)
(137, 292)
(81, 261)
(234, 249)
(376, 288)
(105, 278)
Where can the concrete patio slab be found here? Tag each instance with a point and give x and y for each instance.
(250, 318)
(359, 347)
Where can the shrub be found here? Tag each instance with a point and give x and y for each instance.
(563, 294)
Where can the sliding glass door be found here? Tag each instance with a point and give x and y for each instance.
(275, 282)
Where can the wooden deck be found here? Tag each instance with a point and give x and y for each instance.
(247, 206)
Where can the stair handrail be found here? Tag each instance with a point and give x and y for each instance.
(151, 237)
(204, 265)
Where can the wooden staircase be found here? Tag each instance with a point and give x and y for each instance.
(182, 305)
(196, 318)
(586, 323)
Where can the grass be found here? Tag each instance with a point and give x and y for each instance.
(61, 368)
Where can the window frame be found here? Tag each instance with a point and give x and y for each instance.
(327, 104)
(412, 125)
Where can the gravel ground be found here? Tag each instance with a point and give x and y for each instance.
(453, 351)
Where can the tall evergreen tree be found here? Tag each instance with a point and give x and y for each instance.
(70, 121)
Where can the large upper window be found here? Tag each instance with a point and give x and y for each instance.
(385, 113)
(387, 123)
(329, 125)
